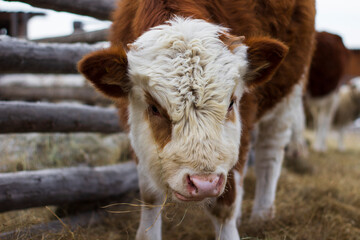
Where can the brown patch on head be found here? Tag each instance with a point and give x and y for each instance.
(160, 122)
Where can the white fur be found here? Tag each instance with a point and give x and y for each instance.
(274, 130)
(191, 74)
(150, 220)
(146, 230)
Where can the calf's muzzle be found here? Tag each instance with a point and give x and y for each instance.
(199, 187)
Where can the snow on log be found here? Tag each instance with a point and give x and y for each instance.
(20, 56)
(52, 93)
(86, 37)
(21, 117)
(28, 189)
(100, 9)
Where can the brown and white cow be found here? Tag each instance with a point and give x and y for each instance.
(327, 73)
(190, 88)
(332, 65)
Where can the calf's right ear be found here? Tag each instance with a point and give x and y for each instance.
(107, 71)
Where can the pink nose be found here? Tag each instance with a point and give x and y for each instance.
(203, 186)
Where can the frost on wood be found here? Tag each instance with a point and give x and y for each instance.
(94, 8)
(86, 37)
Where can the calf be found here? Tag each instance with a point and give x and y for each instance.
(191, 79)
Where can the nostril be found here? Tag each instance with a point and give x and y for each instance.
(191, 184)
(206, 185)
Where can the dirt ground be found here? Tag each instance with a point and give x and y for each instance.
(321, 205)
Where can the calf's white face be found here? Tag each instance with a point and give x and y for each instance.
(184, 83)
(183, 104)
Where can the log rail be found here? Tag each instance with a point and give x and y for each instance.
(86, 94)
(20, 56)
(21, 117)
(100, 9)
(27, 189)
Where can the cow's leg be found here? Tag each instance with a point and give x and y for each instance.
(326, 114)
(225, 212)
(150, 221)
(297, 148)
(296, 155)
(317, 111)
(314, 112)
(321, 132)
(274, 131)
(341, 134)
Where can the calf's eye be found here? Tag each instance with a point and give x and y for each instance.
(231, 105)
(154, 110)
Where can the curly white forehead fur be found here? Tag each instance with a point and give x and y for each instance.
(185, 66)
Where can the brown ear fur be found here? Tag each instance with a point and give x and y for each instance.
(265, 56)
(107, 71)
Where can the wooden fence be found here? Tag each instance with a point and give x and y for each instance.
(27, 189)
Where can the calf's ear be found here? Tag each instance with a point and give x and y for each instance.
(107, 71)
(265, 55)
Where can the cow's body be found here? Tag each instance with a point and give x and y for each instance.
(190, 91)
(353, 68)
(332, 65)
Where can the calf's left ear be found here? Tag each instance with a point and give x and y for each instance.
(107, 71)
(265, 55)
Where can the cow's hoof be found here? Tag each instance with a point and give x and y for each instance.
(262, 215)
